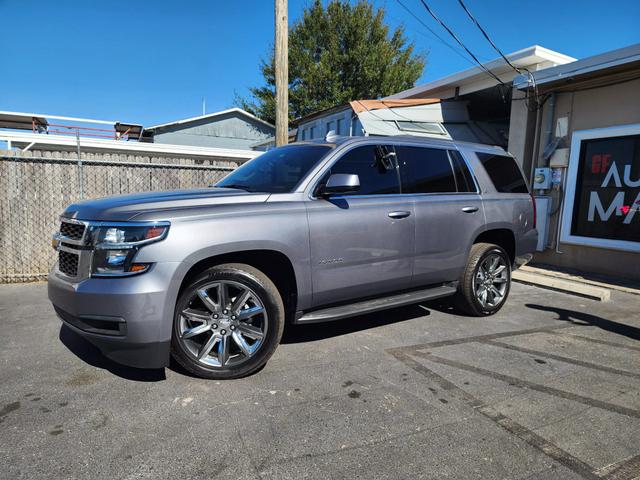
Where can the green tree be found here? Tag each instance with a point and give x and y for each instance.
(337, 54)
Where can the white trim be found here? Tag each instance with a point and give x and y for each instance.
(118, 145)
(211, 115)
(527, 57)
(58, 117)
(572, 175)
(595, 63)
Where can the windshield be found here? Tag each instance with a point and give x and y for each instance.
(276, 171)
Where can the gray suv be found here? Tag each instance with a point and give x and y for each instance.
(305, 233)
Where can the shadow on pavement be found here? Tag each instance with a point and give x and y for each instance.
(88, 353)
(581, 318)
(320, 331)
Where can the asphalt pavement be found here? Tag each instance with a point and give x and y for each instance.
(549, 388)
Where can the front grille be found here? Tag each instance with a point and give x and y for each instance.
(74, 231)
(68, 263)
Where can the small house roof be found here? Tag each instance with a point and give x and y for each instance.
(185, 121)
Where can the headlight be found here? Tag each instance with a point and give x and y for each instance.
(115, 247)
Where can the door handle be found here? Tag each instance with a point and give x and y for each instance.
(469, 209)
(399, 214)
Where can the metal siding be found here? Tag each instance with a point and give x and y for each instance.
(320, 125)
(230, 131)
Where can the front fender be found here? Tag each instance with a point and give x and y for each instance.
(283, 230)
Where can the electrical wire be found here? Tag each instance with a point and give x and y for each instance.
(433, 32)
(486, 35)
(519, 71)
(455, 37)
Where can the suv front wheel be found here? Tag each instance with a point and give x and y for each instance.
(485, 283)
(228, 322)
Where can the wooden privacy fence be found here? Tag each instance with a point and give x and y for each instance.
(36, 187)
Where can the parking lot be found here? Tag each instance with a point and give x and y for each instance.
(547, 389)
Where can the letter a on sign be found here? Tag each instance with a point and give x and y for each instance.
(596, 204)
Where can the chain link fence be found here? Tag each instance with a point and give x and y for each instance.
(36, 187)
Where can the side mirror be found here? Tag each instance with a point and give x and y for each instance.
(341, 183)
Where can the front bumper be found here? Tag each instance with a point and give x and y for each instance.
(129, 319)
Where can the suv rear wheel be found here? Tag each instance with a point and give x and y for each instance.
(228, 322)
(486, 281)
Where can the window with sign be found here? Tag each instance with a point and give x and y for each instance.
(607, 194)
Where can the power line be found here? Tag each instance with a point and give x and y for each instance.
(504, 57)
(486, 35)
(455, 37)
(442, 40)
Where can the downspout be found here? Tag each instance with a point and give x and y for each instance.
(550, 112)
(536, 146)
(549, 120)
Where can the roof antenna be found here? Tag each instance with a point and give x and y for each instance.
(204, 105)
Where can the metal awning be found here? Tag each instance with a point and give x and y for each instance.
(131, 130)
(40, 123)
(22, 121)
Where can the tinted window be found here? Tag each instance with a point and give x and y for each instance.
(464, 180)
(276, 171)
(504, 173)
(425, 170)
(375, 179)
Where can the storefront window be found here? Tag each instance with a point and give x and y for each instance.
(605, 210)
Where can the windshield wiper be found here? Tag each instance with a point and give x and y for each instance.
(236, 186)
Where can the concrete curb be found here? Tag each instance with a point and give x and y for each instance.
(562, 285)
(627, 287)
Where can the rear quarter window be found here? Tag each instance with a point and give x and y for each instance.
(504, 173)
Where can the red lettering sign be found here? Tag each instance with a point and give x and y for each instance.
(600, 162)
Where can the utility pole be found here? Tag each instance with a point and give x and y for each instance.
(282, 73)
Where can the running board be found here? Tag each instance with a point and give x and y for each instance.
(368, 306)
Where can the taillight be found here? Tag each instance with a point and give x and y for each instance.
(533, 203)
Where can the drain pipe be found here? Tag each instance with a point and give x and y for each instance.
(548, 133)
(549, 121)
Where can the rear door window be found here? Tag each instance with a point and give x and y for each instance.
(464, 179)
(425, 170)
(504, 173)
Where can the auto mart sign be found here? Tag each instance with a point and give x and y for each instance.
(603, 189)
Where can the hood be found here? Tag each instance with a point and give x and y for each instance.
(127, 207)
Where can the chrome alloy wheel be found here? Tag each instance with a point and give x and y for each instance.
(223, 324)
(490, 281)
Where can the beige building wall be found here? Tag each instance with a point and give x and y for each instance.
(608, 106)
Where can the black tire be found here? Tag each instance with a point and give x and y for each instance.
(270, 297)
(466, 299)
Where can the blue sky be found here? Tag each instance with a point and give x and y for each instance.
(152, 61)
